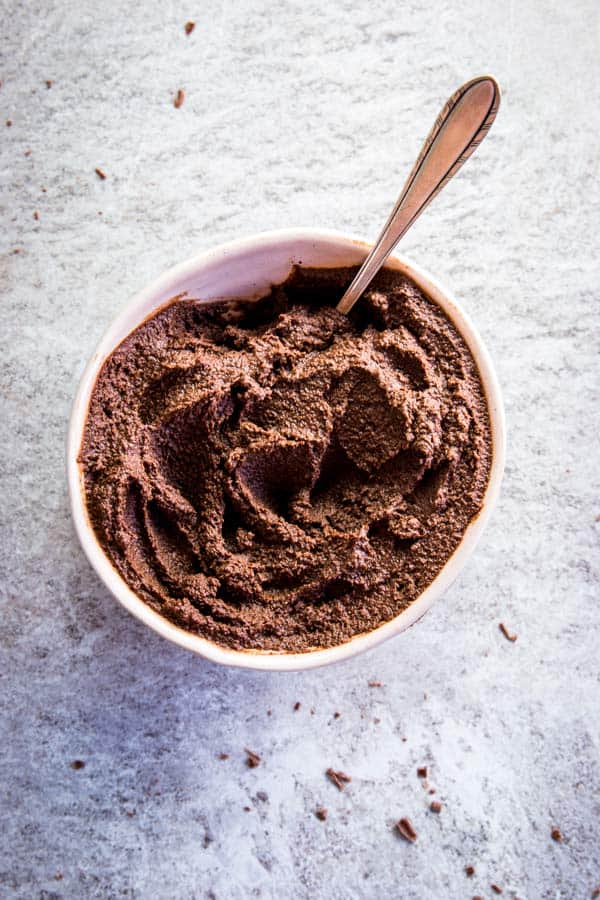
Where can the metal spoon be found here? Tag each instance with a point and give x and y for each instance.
(458, 130)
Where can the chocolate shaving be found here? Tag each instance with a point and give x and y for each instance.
(78, 764)
(340, 779)
(253, 759)
(496, 889)
(556, 835)
(179, 98)
(405, 829)
(435, 806)
(506, 633)
(469, 871)
(321, 813)
(422, 771)
(101, 175)
(189, 27)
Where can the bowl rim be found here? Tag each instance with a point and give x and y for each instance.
(280, 660)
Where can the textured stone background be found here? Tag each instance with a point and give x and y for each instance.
(301, 113)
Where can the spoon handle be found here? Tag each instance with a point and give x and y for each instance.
(458, 130)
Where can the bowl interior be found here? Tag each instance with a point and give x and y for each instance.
(247, 268)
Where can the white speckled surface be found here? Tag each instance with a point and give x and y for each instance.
(302, 114)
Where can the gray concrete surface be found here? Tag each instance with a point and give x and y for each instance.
(301, 113)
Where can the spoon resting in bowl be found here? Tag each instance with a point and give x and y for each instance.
(458, 130)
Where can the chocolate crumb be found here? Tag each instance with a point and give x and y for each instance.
(8, 123)
(179, 98)
(432, 790)
(422, 771)
(596, 891)
(223, 755)
(297, 705)
(496, 889)
(36, 215)
(506, 633)
(101, 175)
(435, 806)
(48, 83)
(253, 759)
(375, 684)
(405, 829)
(469, 871)
(338, 778)
(336, 715)
(59, 876)
(189, 27)
(556, 835)
(321, 813)
(16, 250)
(78, 764)
(247, 808)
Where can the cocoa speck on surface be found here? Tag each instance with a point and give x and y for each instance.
(297, 705)
(223, 755)
(336, 715)
(247, 808)
(179, 98)
(496, 888)
(330, 445)
(78, 764)
(507, 634)
(58, 876)
(48, 83)
(556, 835)
(477, 897)
(8, 123)
(252, 759)
(405, 829)
(596, 891)
(435, 806)
(100, 173)
(432, 790)
(340, 779)
(189, 27)
(321, 813)
(422, 772)
(469, 871)
(27, 153)
(375, 684)
(36, 215)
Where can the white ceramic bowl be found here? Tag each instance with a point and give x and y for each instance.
(247, 268)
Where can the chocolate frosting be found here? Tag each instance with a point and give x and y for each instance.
(275, 475)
